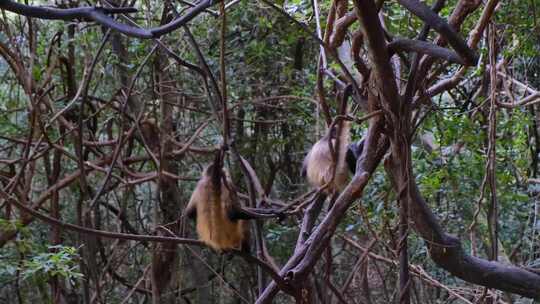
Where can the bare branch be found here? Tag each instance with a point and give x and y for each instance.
(423, 12)
(100, 15)
(426, 48)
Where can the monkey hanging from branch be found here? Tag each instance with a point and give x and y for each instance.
(327, 164)
(220, 221)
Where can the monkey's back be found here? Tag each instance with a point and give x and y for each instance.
(320, 163)
(213, 224)
(319, 168)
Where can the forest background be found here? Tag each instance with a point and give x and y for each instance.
(110, 110)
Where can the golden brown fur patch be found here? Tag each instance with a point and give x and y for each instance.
(213, 224)
(319, 163)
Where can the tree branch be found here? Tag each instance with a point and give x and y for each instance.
(423, 12)
(425, 48)
(100, 15)
(447, 252)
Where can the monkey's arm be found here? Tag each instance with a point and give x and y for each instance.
(191, 210)
(239, 213)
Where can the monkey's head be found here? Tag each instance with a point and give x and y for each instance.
(212, 171)
(216, 174)
(215, 171)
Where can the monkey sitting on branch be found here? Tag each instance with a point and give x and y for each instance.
(320, 167)
(213, 203)
(326, 163)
